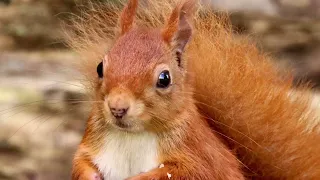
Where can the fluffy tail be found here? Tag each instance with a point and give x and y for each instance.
(274, 130)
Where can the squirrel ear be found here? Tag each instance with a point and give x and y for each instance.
(178, 30)
(127, 16)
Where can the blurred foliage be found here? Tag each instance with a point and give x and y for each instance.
(36, 24)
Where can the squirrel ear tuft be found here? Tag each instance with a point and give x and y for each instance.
(127, 16)
(178, 30)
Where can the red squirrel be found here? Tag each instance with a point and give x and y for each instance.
(145, 124)
(274, 131)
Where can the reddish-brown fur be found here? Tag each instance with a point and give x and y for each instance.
(128, 16)
(187, 146)
(273, 133)
(276, 135)
(83, 169)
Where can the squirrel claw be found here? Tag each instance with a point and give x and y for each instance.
(95, 176)
(91, 176)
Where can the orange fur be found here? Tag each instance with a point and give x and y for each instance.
(241, 91)
(173, 22)
(275, 134)
(186, 144)
(128, 15)
(83, 169)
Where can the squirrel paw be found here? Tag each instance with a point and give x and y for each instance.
(144, 177)
(90, 176)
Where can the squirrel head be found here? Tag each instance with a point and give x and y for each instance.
(143, 80)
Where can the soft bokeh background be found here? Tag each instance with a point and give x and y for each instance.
(42, 104)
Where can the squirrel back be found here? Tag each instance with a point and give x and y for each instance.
(274, 131)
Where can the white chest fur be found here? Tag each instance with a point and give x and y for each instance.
(126, 154)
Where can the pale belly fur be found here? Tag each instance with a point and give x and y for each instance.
(126, 154)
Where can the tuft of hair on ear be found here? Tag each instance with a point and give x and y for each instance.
(178, 30)
(127, 16)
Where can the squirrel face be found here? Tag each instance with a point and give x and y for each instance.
(142, 78)
(142, 85)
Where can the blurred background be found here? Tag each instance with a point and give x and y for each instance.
(40, 127)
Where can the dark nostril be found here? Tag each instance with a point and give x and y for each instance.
(118, 113)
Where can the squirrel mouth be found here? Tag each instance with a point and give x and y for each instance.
(122, 125)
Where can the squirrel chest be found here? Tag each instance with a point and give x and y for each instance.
(127, 154)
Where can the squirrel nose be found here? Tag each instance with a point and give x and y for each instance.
(118, 112)
(119, 103)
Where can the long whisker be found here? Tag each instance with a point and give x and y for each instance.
(225, 124)
(240, 145)
(228, 137)
(41, 122)
(216, 149)
(25, 124)
(41, 101)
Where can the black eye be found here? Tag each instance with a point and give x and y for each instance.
(164, 79)
(100, 70)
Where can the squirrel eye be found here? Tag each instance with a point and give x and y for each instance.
(164, 79)
(100, 70)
